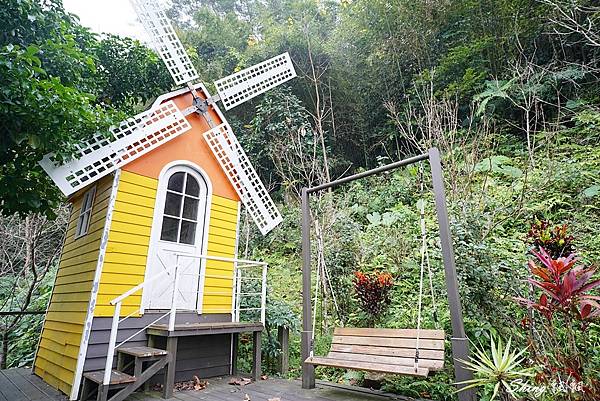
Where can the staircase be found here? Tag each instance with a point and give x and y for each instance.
(135, 366)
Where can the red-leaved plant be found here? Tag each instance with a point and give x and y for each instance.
(565, 287)
(567, 307)
(373, 292)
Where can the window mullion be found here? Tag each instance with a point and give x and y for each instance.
(181, 208)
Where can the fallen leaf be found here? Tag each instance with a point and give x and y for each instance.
(242, 381)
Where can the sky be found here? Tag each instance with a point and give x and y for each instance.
(112, 16)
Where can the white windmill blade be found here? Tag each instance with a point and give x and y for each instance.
(250, 82)
(165, 40)
(243, 177)
(129, 140)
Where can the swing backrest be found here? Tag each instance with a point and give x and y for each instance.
(389, 346)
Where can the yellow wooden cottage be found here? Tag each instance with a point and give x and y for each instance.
(149, 284)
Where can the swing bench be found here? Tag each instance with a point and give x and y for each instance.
(413, 352)
(385, 351)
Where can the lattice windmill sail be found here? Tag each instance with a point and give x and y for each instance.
(127, 141)
(243, 177)
(165, 40)
(250, 82)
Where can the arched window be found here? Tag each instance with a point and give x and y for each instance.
(180, 215)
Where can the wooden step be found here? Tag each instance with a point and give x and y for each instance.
(116, 377)
(142, 352)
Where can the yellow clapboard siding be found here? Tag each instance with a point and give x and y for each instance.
(218, 282)
(117, 226)
(72, 297)
(224, 209)
(229, 226)
(133, 198)
(58, 351)
(231, 218)
(128, 186)
(223, 240)
(128, 242)
(95, 226)
(69, 306)
(127, 248)
(119, 278)
(221, 232)
(214, 247)
(80, 259)
(91, 237)
(133, 219)
(219, 265)
(68, 348)
(67, 271)
(71, 288)
(62, 326)
(222, 236)
(138, 180)
(135, 210)
(128, 238)
(66, 317)
(125, 258)
(123, 268)
(222, 201)
(75, 278)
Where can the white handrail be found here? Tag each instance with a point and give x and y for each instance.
(224, 259)
(136, 288)
(237, 276)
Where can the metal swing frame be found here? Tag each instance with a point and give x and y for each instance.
(460, 342)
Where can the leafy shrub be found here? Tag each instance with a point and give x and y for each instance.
(554, 240)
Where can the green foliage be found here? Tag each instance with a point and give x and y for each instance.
(60, 84)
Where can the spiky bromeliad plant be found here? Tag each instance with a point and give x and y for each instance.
(499, 367)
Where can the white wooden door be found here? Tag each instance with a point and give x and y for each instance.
(179, 236)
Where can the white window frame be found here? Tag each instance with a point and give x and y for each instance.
(85, 213)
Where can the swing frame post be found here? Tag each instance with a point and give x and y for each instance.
(308, 370)
(460, 343)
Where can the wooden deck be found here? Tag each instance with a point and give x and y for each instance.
(21, 385)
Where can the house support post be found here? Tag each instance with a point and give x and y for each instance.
(169, 383)
(460, 342)
(256, 355)
(308, 370)
(283, 360)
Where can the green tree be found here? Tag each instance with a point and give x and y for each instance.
(60, 83)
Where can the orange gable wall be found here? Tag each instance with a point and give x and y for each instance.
(188, 146)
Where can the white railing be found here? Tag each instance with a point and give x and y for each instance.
(244, 270)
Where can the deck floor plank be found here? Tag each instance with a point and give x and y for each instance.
(30, 391)
(8, 388)
(21, 385)
(50, 392)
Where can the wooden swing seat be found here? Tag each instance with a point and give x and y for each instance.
(384, 351)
